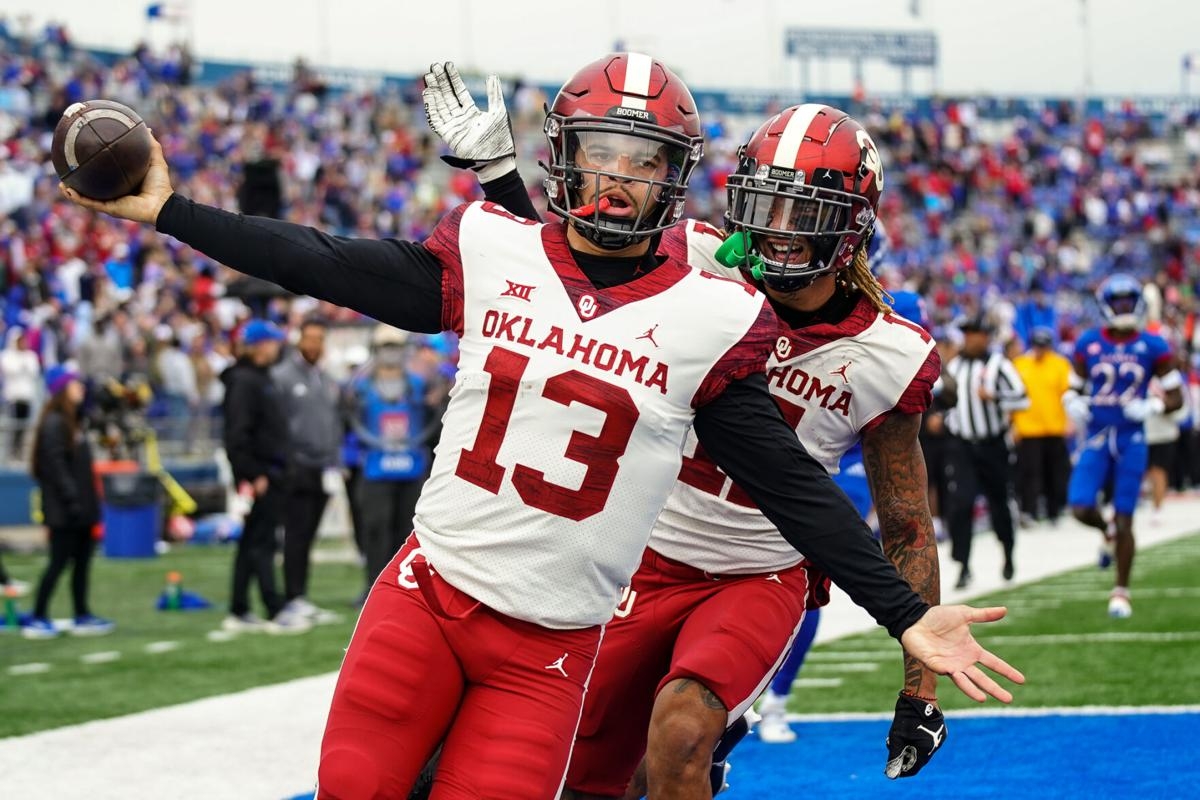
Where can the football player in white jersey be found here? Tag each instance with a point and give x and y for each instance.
(561, 442)
(802, 211)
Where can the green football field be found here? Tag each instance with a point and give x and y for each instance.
(146, 673)
(1057, 633)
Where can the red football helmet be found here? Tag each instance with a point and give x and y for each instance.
(627, 118)
(810, 172)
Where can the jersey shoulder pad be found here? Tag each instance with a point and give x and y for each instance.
(695, 243)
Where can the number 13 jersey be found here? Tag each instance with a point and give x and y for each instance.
(565, 428)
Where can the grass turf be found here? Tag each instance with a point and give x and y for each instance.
(125, 591)
(1057, 672)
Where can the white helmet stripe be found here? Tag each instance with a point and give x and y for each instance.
(637, 80)
(793, 135)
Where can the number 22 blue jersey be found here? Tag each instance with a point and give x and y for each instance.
(1118, 371)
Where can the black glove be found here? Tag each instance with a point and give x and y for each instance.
(918, 730)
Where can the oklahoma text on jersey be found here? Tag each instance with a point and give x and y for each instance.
(602, 355)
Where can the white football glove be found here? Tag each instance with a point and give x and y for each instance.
(1078, 407)
(1144, 407)
(481, 140)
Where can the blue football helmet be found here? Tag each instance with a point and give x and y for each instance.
(1121, 302)
(911, 306)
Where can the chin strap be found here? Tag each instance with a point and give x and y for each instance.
(735, 252)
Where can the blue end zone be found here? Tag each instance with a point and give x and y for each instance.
(1050, 758)
(1142, 755)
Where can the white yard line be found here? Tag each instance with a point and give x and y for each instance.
(998, 712)
(33, 668)
(103, 657)
(842, 666)
(818, 656)
(1043, 593)
(1093, 638)
(816, 683)
(154, 648)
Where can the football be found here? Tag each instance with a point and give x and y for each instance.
(101, 149)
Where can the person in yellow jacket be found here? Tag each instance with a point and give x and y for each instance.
(1041, 430)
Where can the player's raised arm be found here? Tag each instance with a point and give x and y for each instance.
(744, 433)
(481, 141)
(396, 282)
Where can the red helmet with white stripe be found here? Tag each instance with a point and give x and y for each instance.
(623, 118)
(812, 174)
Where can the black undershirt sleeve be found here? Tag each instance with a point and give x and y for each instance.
(744, 433)
(508, 191)
(396, 282)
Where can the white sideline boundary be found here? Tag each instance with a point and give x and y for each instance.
(263, 743)
(1001, 713)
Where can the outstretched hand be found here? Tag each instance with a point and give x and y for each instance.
(942, 641)
(141, 207)
(480, 140)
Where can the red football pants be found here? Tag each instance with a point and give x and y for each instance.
(728, 632)
(428, 663)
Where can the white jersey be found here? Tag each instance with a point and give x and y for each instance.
(831, 382)
(566, 424)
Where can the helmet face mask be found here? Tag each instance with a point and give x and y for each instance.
(805, 193)
(625, 129)
(1121, 302)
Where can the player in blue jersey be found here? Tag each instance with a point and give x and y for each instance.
(1107, 398)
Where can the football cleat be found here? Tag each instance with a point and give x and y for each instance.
(1119, 606)
(91, 625)
(39, 628)
(773, 728)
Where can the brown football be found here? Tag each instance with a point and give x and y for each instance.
(101, 149)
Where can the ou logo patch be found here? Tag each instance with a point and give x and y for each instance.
(406, 578)
(783, 348)
(587, 306)
(870, 157)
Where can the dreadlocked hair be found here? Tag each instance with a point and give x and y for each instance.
(858, 277)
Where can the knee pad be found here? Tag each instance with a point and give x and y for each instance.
(347, 773)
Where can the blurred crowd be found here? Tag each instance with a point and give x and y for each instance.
(1018, 217)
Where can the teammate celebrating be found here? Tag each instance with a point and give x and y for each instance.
(687, 653)
(1113, 367)
(561, 442)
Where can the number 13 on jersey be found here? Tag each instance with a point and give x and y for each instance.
(599, 454)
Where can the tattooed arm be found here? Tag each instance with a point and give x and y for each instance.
(896, 472)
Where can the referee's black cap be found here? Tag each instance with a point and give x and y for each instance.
(975, 323)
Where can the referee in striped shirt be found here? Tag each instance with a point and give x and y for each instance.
(977, 449)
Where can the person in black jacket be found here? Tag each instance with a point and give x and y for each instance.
(62, 467)
(256, 440)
